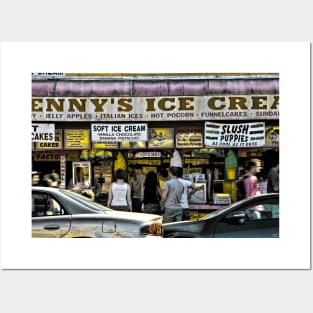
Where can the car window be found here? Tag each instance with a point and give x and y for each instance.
(262, 211)
(46, 205)
(250, 219)
(85, 201)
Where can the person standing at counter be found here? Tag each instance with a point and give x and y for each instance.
(251, 181)
(137, 188)
(252, 189)
(152, 194)
(273, 178)
(119, 197)
(171, 195)
(163, 176)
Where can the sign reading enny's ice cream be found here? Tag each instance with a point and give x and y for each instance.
(152, 108)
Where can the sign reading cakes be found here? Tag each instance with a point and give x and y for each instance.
(57, 144)
(119, 132)
(42, 132)
(234, 135)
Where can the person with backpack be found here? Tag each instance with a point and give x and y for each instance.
(241, 193)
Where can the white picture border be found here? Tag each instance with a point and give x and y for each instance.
(290, 59)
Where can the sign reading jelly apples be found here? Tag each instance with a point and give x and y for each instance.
(234, 135)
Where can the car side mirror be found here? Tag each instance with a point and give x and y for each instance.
(238, 218)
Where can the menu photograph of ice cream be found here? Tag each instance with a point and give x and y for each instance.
(272, 136)
(161, 138)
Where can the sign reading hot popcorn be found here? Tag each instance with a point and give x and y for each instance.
(234, 135)
(119, 132)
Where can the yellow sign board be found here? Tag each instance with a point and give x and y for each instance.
(77, 139)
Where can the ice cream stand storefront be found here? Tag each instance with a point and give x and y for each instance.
(215, 122)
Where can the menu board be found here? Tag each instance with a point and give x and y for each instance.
(77, 139)
(161, 138)
(189, 138)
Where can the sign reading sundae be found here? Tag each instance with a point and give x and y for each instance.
(234, 135)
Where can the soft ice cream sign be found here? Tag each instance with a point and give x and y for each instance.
(119, 132)
(234, 135)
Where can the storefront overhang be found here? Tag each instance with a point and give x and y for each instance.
(144, 87)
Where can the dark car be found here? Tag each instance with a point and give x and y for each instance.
(254, 217)
(60, 213)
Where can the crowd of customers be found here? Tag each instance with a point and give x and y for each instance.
(165, 192)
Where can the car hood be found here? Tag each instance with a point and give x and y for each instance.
(185, 226)
(122, 215)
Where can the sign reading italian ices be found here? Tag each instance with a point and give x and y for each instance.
(234, 135)
(119, 132)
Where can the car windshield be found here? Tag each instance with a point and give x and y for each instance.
(217, 212)
(238, 203)
(85, 201)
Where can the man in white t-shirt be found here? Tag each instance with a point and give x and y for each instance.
(171, 194)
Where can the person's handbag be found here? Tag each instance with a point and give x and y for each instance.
(153, 208)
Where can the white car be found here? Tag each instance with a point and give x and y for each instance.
(60, 213)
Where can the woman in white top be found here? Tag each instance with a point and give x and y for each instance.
(119, 194)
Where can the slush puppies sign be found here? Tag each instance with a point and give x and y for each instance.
(235, 135)
(42, 132)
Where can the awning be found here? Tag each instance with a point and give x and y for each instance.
(149, 88)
